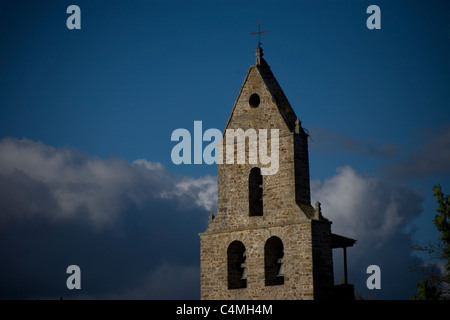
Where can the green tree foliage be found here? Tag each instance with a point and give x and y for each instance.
(427, 291)
(437, 283)
(442, 221)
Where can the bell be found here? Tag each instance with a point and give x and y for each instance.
(281, 271)
(243, 266)
(244, 274)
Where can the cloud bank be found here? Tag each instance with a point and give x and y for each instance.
(64, 183)
(120, 222)
(132, 228)
(375, 213)
(365, 207)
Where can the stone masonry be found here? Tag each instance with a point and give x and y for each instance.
(283, 252)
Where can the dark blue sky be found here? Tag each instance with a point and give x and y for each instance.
(376, 104)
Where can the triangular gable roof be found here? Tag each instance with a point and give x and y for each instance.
(272, 85)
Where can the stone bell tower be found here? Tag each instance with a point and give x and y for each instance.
(266, 240)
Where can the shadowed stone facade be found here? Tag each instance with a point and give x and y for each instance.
(276, 246)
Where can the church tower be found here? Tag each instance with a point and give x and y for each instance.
(267, 241)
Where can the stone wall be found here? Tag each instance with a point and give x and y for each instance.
(308, 268)
(281, 190)
(298, 281)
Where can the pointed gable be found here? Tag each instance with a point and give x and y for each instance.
(261, 81)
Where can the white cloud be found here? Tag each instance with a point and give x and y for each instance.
(202, 190)
(374, 212)
(152, 166)
(64, 183)
(364, 207)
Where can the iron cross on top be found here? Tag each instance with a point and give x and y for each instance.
(259, 33)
